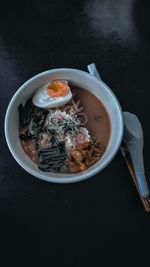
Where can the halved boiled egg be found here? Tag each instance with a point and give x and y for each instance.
(52, 95)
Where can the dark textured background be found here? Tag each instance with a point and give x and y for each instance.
(98, 222)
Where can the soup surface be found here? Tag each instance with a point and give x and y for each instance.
(98, 122)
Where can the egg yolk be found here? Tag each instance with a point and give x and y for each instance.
(57, 89)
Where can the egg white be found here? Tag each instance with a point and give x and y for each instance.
(43, 100)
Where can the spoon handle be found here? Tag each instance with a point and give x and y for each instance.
(93, 71)
(136, 153)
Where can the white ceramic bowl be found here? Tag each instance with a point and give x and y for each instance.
(83, 80)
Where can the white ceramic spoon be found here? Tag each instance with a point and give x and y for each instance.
(133, 139)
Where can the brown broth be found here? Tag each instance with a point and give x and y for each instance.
(30, 150)
(98, 119)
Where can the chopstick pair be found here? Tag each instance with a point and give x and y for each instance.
(126, 155)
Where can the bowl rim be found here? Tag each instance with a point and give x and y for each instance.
(80, 176)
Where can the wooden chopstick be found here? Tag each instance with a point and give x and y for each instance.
(145, 201)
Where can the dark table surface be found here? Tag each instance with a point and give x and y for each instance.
(100, 221)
